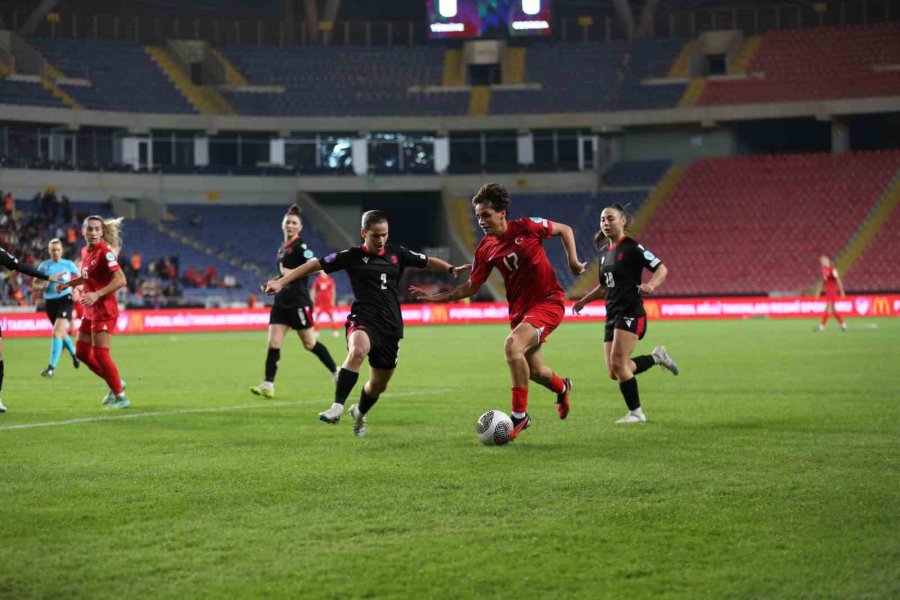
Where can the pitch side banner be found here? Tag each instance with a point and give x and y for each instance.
(199, 320)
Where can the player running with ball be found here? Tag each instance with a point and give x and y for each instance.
(536, 306)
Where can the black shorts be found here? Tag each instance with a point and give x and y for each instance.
(58, 308)
(636, 325)
(295, 318)
(384, 350)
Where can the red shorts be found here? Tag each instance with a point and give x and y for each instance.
(89, 326)
(545, 316)
(323, 307)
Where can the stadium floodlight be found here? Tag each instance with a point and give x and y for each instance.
(447, 8)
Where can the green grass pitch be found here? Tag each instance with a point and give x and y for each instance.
(770, 468)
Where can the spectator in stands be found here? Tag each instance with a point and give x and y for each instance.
(66, 206)
(622, 263)
(101, 277)
(832, 286)
(9, 205)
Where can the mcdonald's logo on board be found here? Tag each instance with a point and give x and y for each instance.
(881, 306)
(439, 314)
(135, 322)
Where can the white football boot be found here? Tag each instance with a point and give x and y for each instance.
(633, 416)
(359, 421)
(663, 359)
(333, 414)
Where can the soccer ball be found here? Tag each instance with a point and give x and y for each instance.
(494, 428)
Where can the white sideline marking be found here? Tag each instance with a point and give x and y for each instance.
(189, 411)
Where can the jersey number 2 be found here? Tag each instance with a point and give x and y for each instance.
(384, 281)
(511, 262)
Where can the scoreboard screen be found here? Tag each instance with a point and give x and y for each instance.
(467, 19)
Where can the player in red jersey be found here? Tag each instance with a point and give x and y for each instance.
(535, 297)
(833, 288)
(323, 296)
(101, 276)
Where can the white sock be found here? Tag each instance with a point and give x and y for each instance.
(638, 411)
(339, 407)
(519, 415)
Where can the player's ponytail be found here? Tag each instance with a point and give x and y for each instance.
(112, 231)
(294, 210)
(599, 238)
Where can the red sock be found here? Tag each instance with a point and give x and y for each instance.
(519, 399)
(839, 319)
(825, 318)
(85, 353)
(110, 371)
(556, 385)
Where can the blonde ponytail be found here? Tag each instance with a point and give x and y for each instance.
(112, 233)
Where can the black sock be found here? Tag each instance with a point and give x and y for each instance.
(1, 373)
(346, 381)
(366, 402)
(642, 363)
(272, 358)
(325, 356)
(630, 393)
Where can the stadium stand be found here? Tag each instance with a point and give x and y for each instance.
(758, 224)
(636, 172)
(122, 77)
(346, 80)
(249, 233)
(28, 93)
(792, 68)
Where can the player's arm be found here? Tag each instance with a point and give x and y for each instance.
(312, 294)
(466, 290)
(442, 266)
(118, 281)
(656, 280)
(8, 261)
(598, 292)
(304, 270)
(71, 283)
(567, 236)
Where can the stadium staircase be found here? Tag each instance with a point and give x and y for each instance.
(679, 69)
(48, 81)
(453, 63)
(204, 98)
(232, 75)
(693, 93)
(875, 226)
(745, 56)
(514, 66)
(480, 100)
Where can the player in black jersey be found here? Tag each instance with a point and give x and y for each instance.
(622, 262)
(292, 308)
(12, 263)
(375, 325)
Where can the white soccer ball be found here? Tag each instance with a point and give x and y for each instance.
(494, 428)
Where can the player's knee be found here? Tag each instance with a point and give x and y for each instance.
(357, 354)
(619, 366)
(309, 344)
(512, 349)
